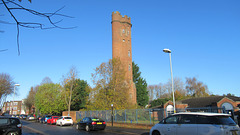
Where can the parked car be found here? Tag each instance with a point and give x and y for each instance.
(24, 117)
(30, 117)
(45, 118)
(20, 116)
(38, 118)
(64, 120)
(190, 123)
(91, 123)
(10, 126)
(52, 120)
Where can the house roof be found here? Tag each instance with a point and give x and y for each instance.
(206, 101)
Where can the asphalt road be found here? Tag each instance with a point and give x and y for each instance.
(33, 128)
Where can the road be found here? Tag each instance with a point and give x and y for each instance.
(33, 128)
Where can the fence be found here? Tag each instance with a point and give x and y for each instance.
(139, 116)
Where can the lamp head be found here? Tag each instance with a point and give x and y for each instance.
(167, 50)
(111, 105)
(17, 84)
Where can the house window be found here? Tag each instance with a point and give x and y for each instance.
(15, 103)
(123, 31)
(14, 108)
(129, 54)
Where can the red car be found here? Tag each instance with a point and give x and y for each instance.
(52, 120)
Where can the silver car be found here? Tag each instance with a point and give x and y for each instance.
(189, 123)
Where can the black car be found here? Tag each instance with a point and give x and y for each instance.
(91, 123)
(10, 126)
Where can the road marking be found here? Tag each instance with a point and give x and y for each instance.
(35, 130)
(123, 132)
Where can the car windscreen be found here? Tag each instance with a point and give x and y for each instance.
(3, 121)
(96, 119)
(218, 120)
(67, 118)
(15, 121)
(55, 117)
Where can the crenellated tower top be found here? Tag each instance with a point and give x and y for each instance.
(117, 17)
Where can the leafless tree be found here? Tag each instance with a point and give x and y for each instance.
(13, 5)
(68, 84)
(6, 87)
(46, 80)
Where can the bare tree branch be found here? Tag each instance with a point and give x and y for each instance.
(11, 5)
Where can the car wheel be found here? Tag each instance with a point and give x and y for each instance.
(12, 133)
(87, 128)
(156, 132)
(61, 124)
(77, 127)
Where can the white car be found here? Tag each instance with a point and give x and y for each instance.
(189, 123)
(64, 120)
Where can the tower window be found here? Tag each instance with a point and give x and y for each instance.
(128, 32)
(123, 40)
(128, 53)
(129, 67)
(123, 31)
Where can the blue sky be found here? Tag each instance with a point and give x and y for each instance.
(203, 36)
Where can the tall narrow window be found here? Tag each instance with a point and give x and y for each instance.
(129, 67)
(123, 40)
(123, 31)
(129, 53)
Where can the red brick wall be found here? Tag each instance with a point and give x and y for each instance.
(121, 45)
(72, 114)
(224, 100)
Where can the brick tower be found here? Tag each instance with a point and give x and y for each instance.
(122, 48)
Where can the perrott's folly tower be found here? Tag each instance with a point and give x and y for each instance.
(122, 48)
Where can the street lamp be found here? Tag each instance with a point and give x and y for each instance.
(169, 51)
(112, 114)
(14, 95)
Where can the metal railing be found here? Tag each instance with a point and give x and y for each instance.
(139, 116)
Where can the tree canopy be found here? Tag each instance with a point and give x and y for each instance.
(196, 88)
(80, 95)
(49, 99)
(141, 86)
(110, 87)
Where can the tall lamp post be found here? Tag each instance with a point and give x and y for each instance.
(169, 51)
(14, 95)
(112, 114)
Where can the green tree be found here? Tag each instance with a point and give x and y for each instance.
(141, 86)
(159, 102)
(80, 95)
(49, 99)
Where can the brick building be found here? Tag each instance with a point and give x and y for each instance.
(12, 107)
(122, 48)
(220, 104)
